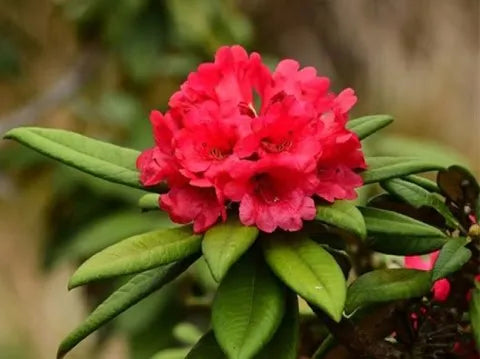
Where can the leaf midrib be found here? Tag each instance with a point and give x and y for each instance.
(149, 250)
(250, 311)
(63, 146)
(307, 264)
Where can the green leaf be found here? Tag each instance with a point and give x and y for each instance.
(187, 333)
(248, 308)
(451, 258)
(419, 197)
(475, 315)
(173, 353)
(308, 269)
(110, 162)
(383, 168)
(344, 215)
(368, 125)
(393, 233)
(138, 253)
(224, 244)
(206, 347)
(386, 285)
(423, 182)
(110, 229)
(284, 344)
(137, 288)
(149, 202)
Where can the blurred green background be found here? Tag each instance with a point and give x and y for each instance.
(98, 67)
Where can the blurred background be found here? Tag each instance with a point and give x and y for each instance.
(99, 66)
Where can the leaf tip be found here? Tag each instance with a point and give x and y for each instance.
(10, 134)
(74, 282)
(61, 352)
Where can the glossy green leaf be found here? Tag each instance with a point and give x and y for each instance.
(138, 253)
(248, 308)
(423, 182)
(344, 215)
(393, 233)
(285, 342)
(308, 269)
(383, 168)
(149, 202)
(419, 197)
(110, 162)
(110, 229)
(386, 285)
(137, 288)
(206, 347)
(475, 315)
(224, 244)
(368, 125)
(452, 257)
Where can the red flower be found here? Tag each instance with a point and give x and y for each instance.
(271, 194)
(214, 146)
(199, 205)
(441, 287)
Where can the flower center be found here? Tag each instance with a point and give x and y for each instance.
(247, 109)
(279, 144)
(264, 188)
(218, 154)
(283, 145)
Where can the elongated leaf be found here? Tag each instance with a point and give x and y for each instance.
(138, 253)
(224, 244)
(308, 269)
(383, 168)
(451, 258)
(129, 294)
(248, 308)
(284, 344)
(149, 202)
(368, 125)
(419, 197)
(475, 315)
(206, 347)
(108, 230)
(394, 233)
(344, 215)
(423, 182)
(386, 285)
(426, 215)
(110, 162)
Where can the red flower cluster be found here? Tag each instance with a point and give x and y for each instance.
(271, 141)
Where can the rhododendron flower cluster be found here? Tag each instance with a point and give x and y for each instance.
(237, 132)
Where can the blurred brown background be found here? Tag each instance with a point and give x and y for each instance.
(98, 66)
